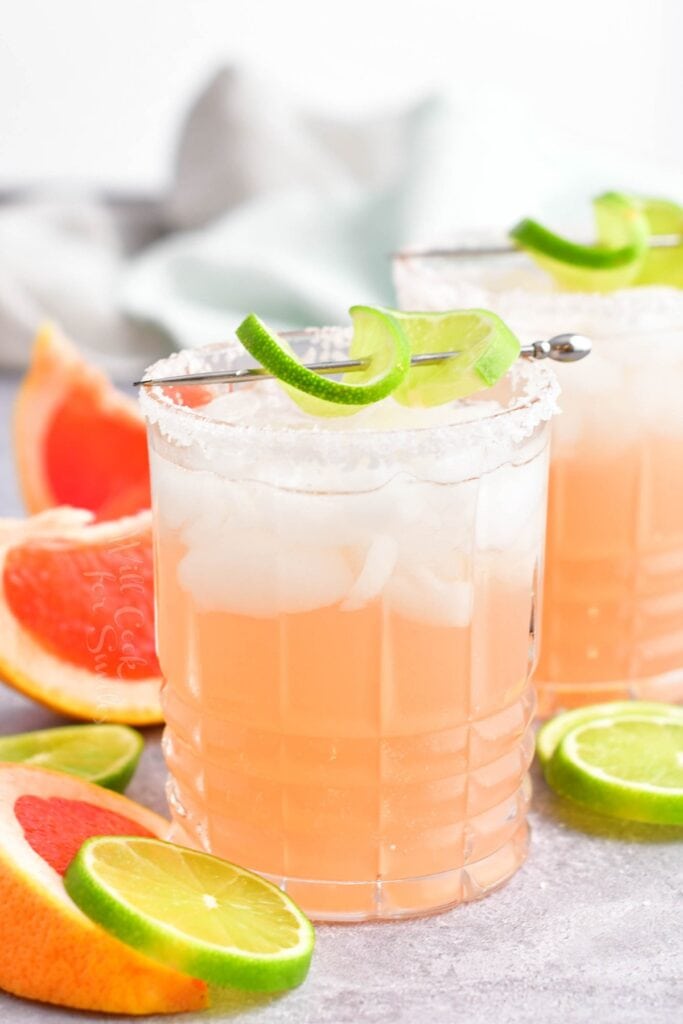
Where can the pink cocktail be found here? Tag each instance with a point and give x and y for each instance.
(613, 600)
(346, 625)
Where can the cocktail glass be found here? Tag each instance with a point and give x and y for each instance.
(613, 601)
(346, 623)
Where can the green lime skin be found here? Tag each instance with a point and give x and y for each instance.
(158, 898)
(481, 349)
(614, 262)
(552, 732)
(273, 354)
(104, 754)
(625, 767)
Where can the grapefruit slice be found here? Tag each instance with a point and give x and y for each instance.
(77, 617)
(78, 441)
(50, 950)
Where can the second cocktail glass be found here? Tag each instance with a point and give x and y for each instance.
(613, 602)
(346, 616)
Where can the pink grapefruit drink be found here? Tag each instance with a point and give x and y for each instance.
(346, 624)
(613, 600)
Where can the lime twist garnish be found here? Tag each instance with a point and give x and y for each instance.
(486, 348)
(191, 911)
(621, 759)
(104, 754)
(377, 336)
(386, 339)
(662, 265)
(614, 262)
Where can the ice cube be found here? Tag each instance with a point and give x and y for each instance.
(174, 490)
(418, 593)
(251, 572)
(509, 502)
(378, 566)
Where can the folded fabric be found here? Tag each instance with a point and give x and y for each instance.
(61, 258)
(294, 216)
(298, 214)
(287, 213)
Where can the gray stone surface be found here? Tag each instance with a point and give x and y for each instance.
(590, 931)
(10, 504)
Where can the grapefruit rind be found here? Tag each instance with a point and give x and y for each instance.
(50, 950)
(35, 671)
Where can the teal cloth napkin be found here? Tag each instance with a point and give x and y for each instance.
(291, 214)
(294, 216)
(283, 213)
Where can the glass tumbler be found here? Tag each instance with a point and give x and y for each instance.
(613, 601)
(347, 623)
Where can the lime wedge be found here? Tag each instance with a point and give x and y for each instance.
(624, 766)
(205, 917)
(663, 265)
(486, 349)
(104, 754)
(555, 729)
(377, 336)
(614, 262)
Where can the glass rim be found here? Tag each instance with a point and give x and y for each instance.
(627, 312)
(535, 403)
(658, 306)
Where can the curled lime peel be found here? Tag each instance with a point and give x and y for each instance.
(377, 335)
(616, 259)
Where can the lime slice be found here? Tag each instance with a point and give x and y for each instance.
(553, 731)
(105, 754)
(486, 349)
(205, 917)
(663, 265)
(629, 767)
(377, 336)
(616, 260)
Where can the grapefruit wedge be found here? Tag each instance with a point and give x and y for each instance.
(78, 441)
(50, 950)
(77, 617)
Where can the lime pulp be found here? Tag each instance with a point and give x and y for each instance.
(206, 917)
(626, 766)
(384, 340)
(486, 349)
(103, 754)
(663, 265)
(551, 733)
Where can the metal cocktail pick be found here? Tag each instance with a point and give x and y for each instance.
(504, 249)
(564, 348)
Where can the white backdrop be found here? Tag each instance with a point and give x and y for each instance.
(92, 92)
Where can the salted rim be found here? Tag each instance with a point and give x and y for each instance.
(654, 307)
(536, 384)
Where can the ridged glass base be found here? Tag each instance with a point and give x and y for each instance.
(555, 697)
(399, 898)
(408, 897)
